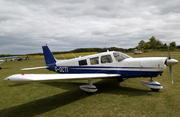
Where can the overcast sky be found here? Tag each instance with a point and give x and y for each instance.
(26, 25)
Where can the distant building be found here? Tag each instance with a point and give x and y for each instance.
(137, 51)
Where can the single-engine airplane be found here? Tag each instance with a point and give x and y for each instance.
(110, 64)
(3, 59)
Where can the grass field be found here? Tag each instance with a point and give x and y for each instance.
(64, 98)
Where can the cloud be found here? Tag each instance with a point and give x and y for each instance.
(69, 24)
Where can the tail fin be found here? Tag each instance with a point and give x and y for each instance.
(48, 56)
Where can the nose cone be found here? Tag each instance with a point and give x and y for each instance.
(171, 62)
(7, 78)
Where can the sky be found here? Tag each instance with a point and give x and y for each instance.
(64, 25)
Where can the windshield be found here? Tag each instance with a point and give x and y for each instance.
(120, 56)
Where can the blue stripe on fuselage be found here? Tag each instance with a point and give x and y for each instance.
(125, 72)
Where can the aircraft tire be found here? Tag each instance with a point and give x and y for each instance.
(0, 68)
(156, 90)
(121, 79)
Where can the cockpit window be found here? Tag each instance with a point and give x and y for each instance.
(94, 61)
(120, 56)
(106, 59)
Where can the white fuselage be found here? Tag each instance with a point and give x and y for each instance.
(113, 62)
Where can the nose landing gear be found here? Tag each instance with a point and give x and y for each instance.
(153, 85)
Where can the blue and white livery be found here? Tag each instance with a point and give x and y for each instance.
(110, 64)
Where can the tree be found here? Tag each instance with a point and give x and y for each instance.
(141, 43)
(173, 44)
(158, 43)
(147, 45)
(152, 41)
(155, 43)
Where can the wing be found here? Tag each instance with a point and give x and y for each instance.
(51, 77)
(2, 59)
(9, 57)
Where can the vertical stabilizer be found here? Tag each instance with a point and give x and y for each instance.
(48, 56)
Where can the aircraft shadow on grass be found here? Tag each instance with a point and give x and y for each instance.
(43, 105)
(6, 68)
(19, 84)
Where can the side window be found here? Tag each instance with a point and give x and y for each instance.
(82, 62)
(94, 61)
(106, 59)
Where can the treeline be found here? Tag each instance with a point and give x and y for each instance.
(90, 50)
(155, 44)
(95, 50)
(102, 49)
(6, 55)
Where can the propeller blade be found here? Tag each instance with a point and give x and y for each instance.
(169, 53)
(170, 68)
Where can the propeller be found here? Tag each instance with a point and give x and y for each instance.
(170, 62)
(169, 53)
(170, 68)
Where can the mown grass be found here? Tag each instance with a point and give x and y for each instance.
(64, 98)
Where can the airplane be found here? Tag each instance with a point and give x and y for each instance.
(110, 64)
(22, 58)
(3, 59)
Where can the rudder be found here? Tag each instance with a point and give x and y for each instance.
(48, 56)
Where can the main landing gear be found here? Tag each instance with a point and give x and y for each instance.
(153, 85)
(89, 87)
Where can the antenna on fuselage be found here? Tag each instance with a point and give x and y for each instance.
(63, 56)
(74, 55)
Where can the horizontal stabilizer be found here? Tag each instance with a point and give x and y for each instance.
(51, 77)
(34, 68)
